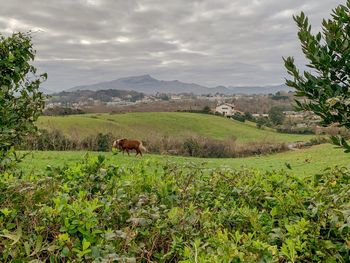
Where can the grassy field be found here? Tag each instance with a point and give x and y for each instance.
(174, 124)
(148, 210)
(158, 208)
(302, 162)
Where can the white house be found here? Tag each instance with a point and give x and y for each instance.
(226, 109)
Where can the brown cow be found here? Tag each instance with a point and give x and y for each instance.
(126, 145)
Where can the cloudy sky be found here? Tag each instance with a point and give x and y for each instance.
(209, 42)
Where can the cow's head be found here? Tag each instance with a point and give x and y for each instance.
(118, 143)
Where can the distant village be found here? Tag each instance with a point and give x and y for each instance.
(66, 100)
(223, 104)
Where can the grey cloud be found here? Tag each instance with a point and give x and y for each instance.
(211, 42)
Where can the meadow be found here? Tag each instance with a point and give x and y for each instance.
(83, 206)
(160, 124)
(99, 207)
(302, 162)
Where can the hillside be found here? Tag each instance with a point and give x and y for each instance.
(149, 85)
(102, 95)
(174, 124)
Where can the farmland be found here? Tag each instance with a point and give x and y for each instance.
(158, 124)
(303, 162)
(208, 189)
(105, 208)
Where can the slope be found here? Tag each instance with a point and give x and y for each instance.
(174, 124)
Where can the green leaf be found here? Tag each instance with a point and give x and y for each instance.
(11, 57)
(15, 237)
(27, 248)
(86, 244)
(38, 245)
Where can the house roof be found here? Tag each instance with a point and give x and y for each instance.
(227, 104)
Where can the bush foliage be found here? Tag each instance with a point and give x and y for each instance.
(326, 86)
(21, 102)
(92, 212)
(195, 146)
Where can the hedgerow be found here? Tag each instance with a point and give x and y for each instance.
(94, 212)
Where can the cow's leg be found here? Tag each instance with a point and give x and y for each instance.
(127, 150)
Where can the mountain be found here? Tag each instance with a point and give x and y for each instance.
(46, 91)
(261, 89)
(149, 85)
(146, 84)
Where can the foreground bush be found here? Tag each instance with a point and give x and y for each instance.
(90, 212)
(21, 102)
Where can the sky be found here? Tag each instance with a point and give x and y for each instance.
(208, 42)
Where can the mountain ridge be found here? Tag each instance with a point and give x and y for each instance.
(149, 85)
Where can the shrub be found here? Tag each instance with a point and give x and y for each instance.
(62, 111)
(21, 102)
(325, 88)
(55, 140)
(295, 130)
(194, 146)
(262, 121)
(248, 116)
(238, 117)
(276, 115)
(92, 212)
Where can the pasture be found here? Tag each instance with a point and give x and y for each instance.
(114, 208)
(303, 162)
(110, 207)
(159, 124)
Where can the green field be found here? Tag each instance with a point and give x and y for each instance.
(303, 162)
(109, 207)
(172, 124)
(115, 208)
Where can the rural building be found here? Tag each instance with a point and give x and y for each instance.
(258, 115)
(226, 109)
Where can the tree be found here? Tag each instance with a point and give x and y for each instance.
(21, 102)
(276, 115)
(238, 117)
(248, 116)
(206, 109)
(325, 87)
(262, 121)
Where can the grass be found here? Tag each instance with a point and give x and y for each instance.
(173, 124)
(302, 162)
(144, 210)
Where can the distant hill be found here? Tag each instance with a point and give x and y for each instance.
(102, 95)
(149, 85)
(46, 91)
(158, 124)
(261, 89)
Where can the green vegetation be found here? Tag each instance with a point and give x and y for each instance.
(21, 102)
(95, 212)
(287, 207)
(303, 162)
(158, 124)
(326, 86)
(276, 115)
